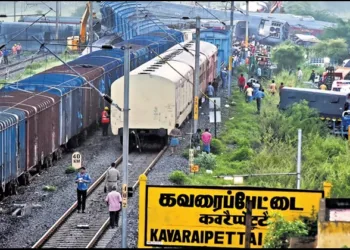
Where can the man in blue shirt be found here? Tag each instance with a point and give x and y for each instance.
(83, 179)
(258, 96)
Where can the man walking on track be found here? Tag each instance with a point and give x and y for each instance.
(105, 121)
(114, 200)
(83, 179)
(112, 177)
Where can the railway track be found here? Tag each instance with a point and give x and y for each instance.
(15, 67)
(66, 232)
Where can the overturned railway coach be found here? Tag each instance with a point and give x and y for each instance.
(162, 95)
(329, 104)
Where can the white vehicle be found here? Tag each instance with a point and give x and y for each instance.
(341, 85)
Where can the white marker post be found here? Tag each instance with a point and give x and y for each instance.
(76, 160)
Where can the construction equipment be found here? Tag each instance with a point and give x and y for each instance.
(74, 42)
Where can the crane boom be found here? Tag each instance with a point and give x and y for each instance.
(83, 23)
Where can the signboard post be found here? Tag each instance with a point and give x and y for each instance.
(195, 216)
(76, 160)
(125, 195)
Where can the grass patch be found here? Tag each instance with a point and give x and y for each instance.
(267, 143)
(49, 188)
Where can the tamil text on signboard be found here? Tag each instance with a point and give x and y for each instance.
(215, 216)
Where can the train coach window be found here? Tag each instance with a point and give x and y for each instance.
(311, 98)
(292, 97)
(334, 100)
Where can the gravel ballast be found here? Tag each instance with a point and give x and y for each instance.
(18, 232)
(167, 164)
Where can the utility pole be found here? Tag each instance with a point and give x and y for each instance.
(248, 224)
(247, 24)
(14, 11)
(57, 20)
(230, 70)
(299, 159)
(196, 76)
(125, 145)
(91, 34)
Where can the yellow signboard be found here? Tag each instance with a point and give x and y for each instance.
(195, 111)
(215, 216)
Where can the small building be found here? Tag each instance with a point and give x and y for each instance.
(334, 223)
(305, 40)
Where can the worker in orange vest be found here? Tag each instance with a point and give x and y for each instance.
(105, 121)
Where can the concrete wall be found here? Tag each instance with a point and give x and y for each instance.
(331, 234)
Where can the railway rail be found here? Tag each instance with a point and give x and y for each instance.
(76, 230)
(12, 68)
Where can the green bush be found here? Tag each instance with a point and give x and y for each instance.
(70, 170)
(205, 161)
(178, 177)
(216, 146)
(280, 231)
(186, 153)
(242, 154)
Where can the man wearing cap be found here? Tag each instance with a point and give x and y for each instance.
(83, 179)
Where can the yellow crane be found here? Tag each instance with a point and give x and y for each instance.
(74, 42)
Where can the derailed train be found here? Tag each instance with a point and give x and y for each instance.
(42, 115)
(162, 95)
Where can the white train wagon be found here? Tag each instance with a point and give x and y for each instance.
(159, 97)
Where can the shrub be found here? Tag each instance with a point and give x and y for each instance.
(178, 177)
(186, 153)
(205, 161)
(70, 170)
(242, 154)
(280, 231)
(216, 146)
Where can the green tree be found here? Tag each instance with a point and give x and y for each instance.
(340, 30)
(288, 55)
(307, 9)
(333, 48)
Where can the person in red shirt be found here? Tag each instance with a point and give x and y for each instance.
(241, 82)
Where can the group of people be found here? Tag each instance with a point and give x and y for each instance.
(16, 51)
(196, 139)
(113, 198)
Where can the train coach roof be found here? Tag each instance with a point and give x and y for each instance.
(316, 91)
(57, 84)
(29, 102)
(10, 117)
(89, 72)
(106, 61)
(179, 59)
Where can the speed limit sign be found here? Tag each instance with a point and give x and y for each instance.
(76, 160)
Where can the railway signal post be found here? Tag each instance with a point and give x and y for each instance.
(125, 144)
(196, 76)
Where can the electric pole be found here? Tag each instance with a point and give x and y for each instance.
(14, 11)
(91, 34)
(125, 146)
(196, 75)
(247, 24)
(56, 20)
(230, 70)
